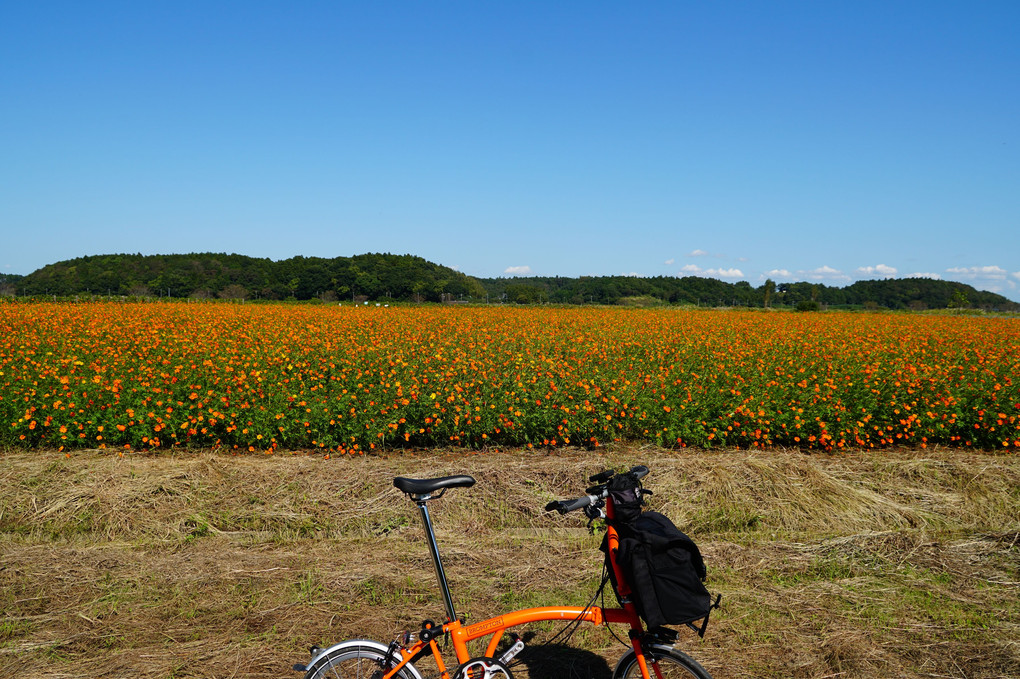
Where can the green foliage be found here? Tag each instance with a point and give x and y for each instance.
(409, 278)
(895, 294)
(958, 300)
(371, 276)
(518, 293)
(768, 290)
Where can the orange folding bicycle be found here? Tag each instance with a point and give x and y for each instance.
(652, 653)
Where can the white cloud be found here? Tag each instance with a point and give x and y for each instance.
(1016, 275)
(825, 273)
(696, 270)
(878, 270)
(777, 273)
(992, 278)
(995, 273)
(517, 270)
(669, 262)
(697, 253)
(933, 276)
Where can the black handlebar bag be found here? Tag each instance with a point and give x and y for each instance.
(628, 498)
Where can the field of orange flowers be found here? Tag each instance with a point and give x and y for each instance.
(348, 379)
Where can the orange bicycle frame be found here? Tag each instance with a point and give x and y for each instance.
(460, 634)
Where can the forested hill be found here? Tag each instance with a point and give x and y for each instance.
(369, 276)
(409, 278)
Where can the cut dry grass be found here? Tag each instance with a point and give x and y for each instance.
(905, 564)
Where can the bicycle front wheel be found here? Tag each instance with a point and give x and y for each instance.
(358, 659)
(664, 662)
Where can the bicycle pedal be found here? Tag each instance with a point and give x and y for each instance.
(514, 649)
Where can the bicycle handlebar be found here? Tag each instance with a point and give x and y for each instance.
(565, 506)
(596, 494)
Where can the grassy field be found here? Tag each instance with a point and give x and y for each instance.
(904, 563)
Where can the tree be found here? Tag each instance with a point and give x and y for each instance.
(518, 293)
(770, 288)
(233, 291)
(958, 300)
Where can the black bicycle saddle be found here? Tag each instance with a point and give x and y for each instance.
(427, 486)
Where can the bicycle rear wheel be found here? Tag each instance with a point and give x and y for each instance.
(664, 662)
(356, 659)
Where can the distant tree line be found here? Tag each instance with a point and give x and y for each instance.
(369, 276)
(414, 279)
(901, 293)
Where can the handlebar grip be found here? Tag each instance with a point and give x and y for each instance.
(639, 471)
(579, 503)
(565, 506)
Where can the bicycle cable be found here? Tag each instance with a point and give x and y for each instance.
(602, 590)
(574, 624)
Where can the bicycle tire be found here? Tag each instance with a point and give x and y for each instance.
(355, 659)
(673, 664)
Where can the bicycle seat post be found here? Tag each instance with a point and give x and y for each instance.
(421, 491)
(422, 501)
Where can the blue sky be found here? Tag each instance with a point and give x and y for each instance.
(825, 141)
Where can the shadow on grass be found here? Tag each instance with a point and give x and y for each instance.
(563, 662)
